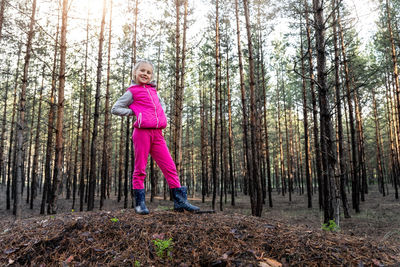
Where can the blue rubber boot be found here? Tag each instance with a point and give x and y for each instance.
(180, 200)
(140, 202)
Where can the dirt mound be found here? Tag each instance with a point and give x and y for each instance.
(166, 238)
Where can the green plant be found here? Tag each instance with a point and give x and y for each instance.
(114, 220)
(330, 226)
(163, 247)
(137, 263)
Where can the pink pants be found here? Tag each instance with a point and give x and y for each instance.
(152, 141)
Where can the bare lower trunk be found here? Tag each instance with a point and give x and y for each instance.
(215, 167)
(305, 126)
(106, 139)
(256, 191)
(248, 169)
(327, 145)
(58, 170)
(355, 177)
(317, 153)
(93, 149)
(3, 129)
(396, 83)
(21, 120)
(342, 161)
(35, 165)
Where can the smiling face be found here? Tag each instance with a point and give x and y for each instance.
(143, 73)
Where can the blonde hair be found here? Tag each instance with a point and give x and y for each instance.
(137, 65)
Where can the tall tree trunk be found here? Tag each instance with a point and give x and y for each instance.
(27, 175)
(395, 134)
(21, 120)
(85, 123)
(215, 166)
(35, 165)
(246, 147)
(78, 128)
(379, 165)
(93, 150)
(50, 126)
(305, 124)
(222, 154)
(391, 130)
(255, 182)
(2, 8)
(10, 164)
(327, 145)
(396, 80)
(318, 162)
(28, 158)
(264, 91)
(105, 166)
(355, 180)
(178, 110)
(177, 127)
(120, 161)
(342, 161)
(230, 133)
(281, 160)
(3, 128)
(203, 141)
(288, 156)
(361, 151)
(58, 170)
(129, 153)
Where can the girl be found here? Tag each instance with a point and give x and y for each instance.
(141, 99)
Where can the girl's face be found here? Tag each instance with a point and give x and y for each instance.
(144, 73)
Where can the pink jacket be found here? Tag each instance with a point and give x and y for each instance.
(147, 107)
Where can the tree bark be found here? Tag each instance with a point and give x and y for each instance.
(75, 174)
(3, 127)
(288, 156)
(305, 124)
(396, 78)
(50, 126)
(85, 124)
(281, 161)
(327, 145)
(318, 162)
(230, 133)
(264, 89)
(93, 150)
(105, 166)
(355, 177)
(177, 119)
(28, 158)
(215, 167)
(35, 165)
(246, 147)
(342, 162)
(58, 170)
(361, 151)
(21, 120)
(379, 165)
(256, 187)
(2, 9)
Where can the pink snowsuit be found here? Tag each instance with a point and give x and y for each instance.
(147, 135)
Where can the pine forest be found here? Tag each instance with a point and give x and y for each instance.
(283, 124)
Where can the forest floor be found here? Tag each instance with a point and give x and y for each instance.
(289, 234)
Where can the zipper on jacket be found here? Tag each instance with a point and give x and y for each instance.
(155, 107)
(140, 119)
